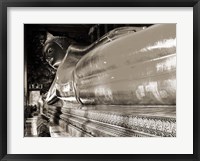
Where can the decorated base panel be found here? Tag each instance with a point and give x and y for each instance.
(115, 120)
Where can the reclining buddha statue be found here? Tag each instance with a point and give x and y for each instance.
(127, 66)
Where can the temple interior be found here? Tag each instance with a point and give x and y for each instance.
(100, 80)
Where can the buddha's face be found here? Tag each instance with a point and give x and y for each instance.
(53, 54)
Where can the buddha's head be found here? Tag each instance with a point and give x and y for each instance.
(55, 49)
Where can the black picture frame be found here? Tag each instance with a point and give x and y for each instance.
(4, 4)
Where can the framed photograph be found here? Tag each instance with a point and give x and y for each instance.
(81, 79)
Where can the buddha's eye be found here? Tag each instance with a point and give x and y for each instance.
(50, 50)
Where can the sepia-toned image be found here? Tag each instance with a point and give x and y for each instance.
(99, 80)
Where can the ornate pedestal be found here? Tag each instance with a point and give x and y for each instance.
(115, 121)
